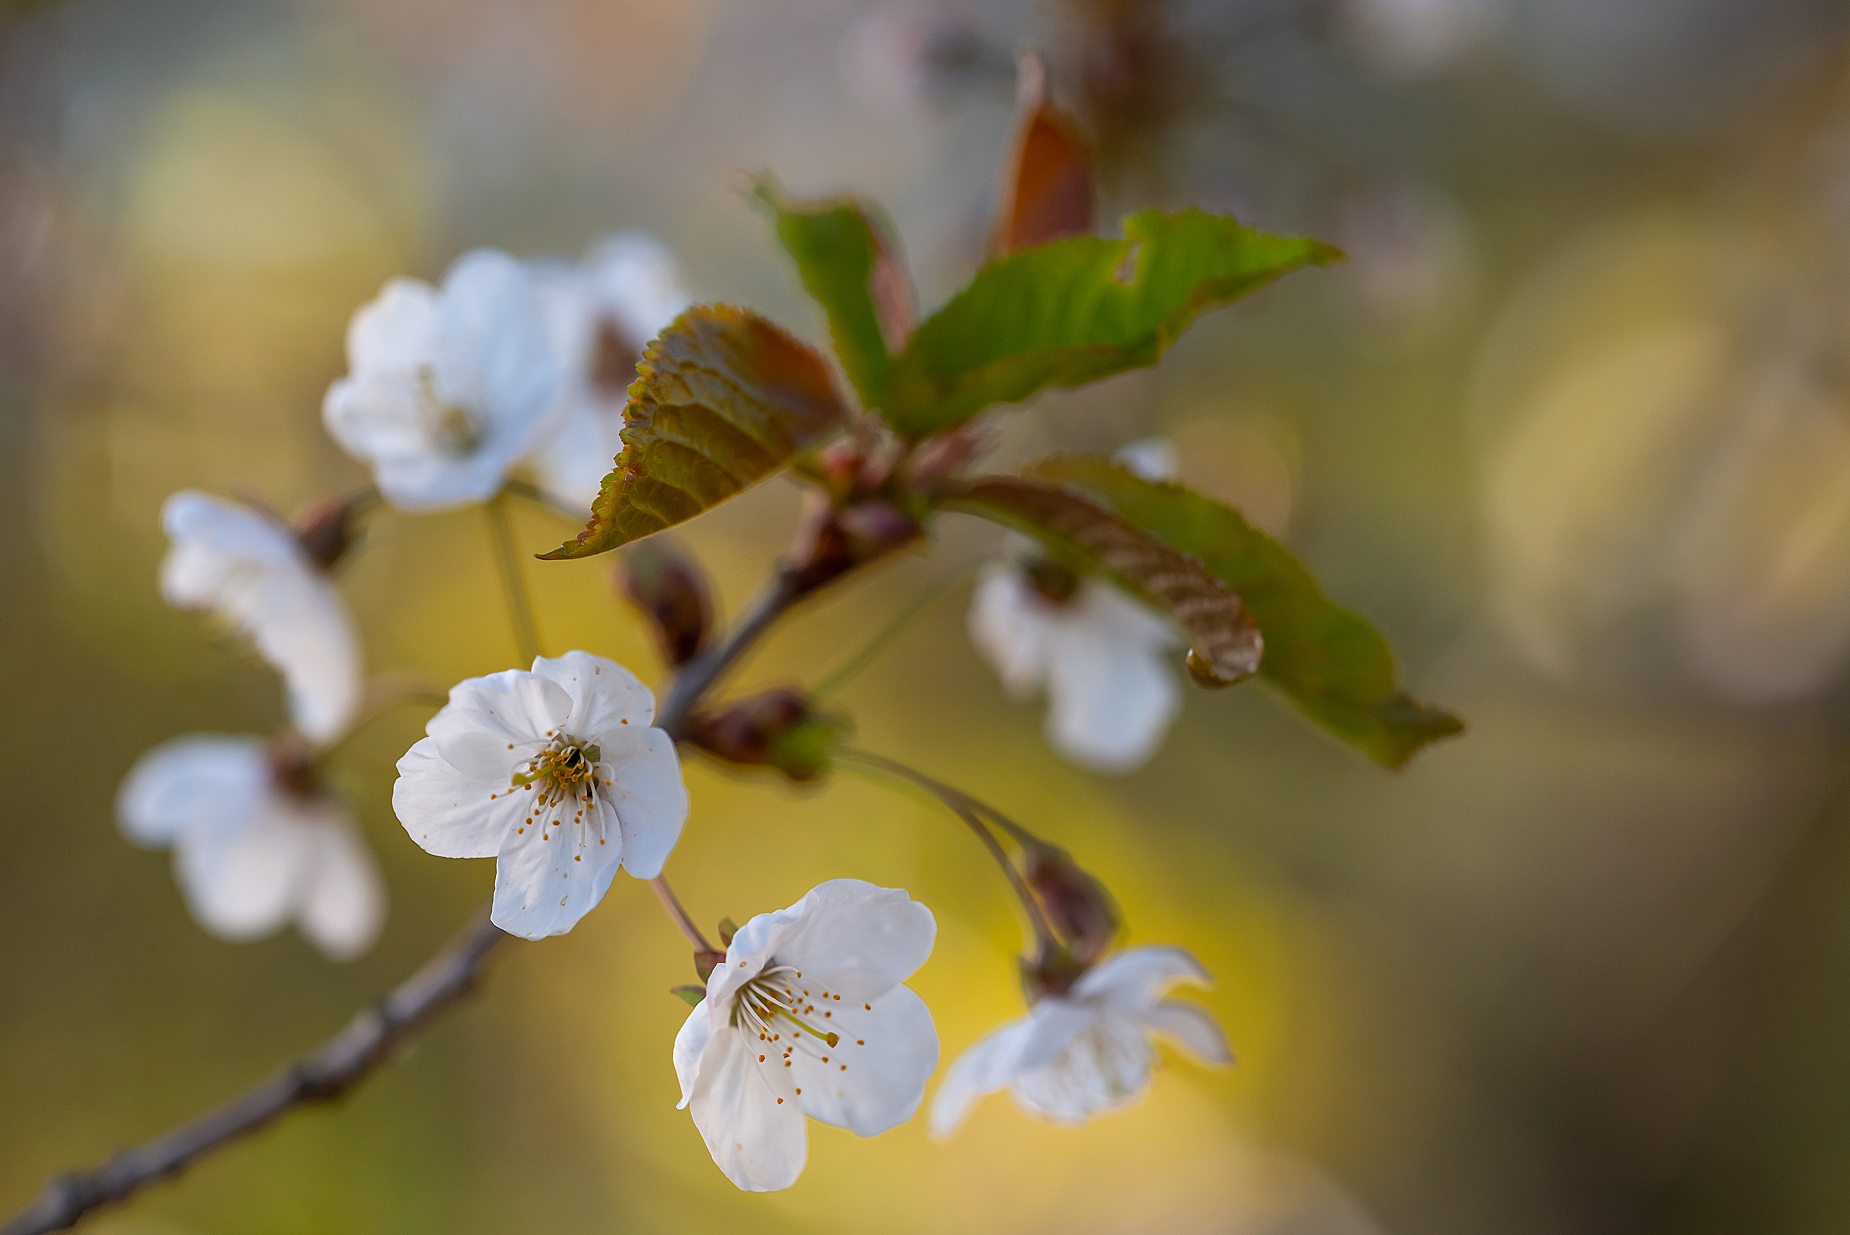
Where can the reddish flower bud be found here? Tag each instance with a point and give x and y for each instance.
(670, 589)
(1077, 906)
(774, 728)
(326, 529)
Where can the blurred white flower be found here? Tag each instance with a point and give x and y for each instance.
(1150, 458)
(1413, 38)
(255, 844)
(558, 774)
(253, 573)
(806, 1016)
(600, 313)
(1088, 1051)
(1102, 657)
(447, 386)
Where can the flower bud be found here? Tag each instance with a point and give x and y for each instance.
(774, 728)
(1077, 906)
(670, 589)
(326, 530)
(832, 542)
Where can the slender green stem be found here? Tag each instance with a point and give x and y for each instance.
(972, 813)
(513, 583)
(852, 667)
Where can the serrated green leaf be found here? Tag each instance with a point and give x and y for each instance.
(722, 399)
(1077, 310)
(1331, 663)
(849, 262)
(1082, 532)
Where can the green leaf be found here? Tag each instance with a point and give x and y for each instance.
(1077, 310)
(721, 400)
(1331, 663)
(849, 261)
(1083, 534)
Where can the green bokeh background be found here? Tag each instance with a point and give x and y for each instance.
(1586, 969)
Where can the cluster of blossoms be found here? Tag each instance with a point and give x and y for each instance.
(561, 773)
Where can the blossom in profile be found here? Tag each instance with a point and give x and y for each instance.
(256, 844)
(806, 1016)
(555, 772)
(600, 313)
(1087, 1051)
(252, 572)
(447, 386)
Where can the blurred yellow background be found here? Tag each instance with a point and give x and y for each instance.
(1572, 426)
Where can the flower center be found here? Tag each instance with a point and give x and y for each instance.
(562, 776)
(787, 1018)
(454, 429)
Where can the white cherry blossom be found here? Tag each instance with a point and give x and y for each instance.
(254, 845)
(600, 313)
(1103, 659)
(555, 772)
(807, 1016)
(252, 572)
(447, 386)
(1088, 1051)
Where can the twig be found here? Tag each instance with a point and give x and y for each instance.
(698, 675)
(328, 1071)
(672, 904)
(971, 812)
(519, 604)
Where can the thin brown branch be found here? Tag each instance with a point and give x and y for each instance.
(672, 904)
(325, 1073)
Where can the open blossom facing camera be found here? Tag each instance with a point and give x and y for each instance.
(256, 844)
(1088, 1051)
(600, 313)
(806, 1017)
(447, 387)
(253, 572)
(555, 772)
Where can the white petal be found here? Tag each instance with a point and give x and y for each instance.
(494, 354)
(214, 534)
(1149, 458)
(302, 627)
(991, 1063)
(874, 1077)
(343, 905)
(551, 873)
(747, 1114)
(1105, 1065)
(241, 883)
(452, 813)
(395, 333)
(574, 462)
(604, 696)
(1137, 977)
(1013, 628)
(851, 937)
(689, 1045)
(648, 795)
(1191, 1028)
(200, 783)
(1111, 693)
(632, 277)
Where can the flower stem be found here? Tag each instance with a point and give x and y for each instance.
(698, 675)
(878, 644)
(672, 904)
(519, 604)
(972, 812)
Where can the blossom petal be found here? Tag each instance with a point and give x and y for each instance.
(1135, 978)
(494, 722)
(494, 354)
(551, 873)
(1105, 1065)
(452, 813)
(747, 1114)
(1013, 628)
(242, 883)
(1191, 1028)
(605, 698)
(1111, 693)
(874, 1077)
(648, 795)
(343, 905)
(200, 783)
(632, 277)
(689, 1045)
(850, 937)
(301, 626)
(992, 1062)
(396, 332)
